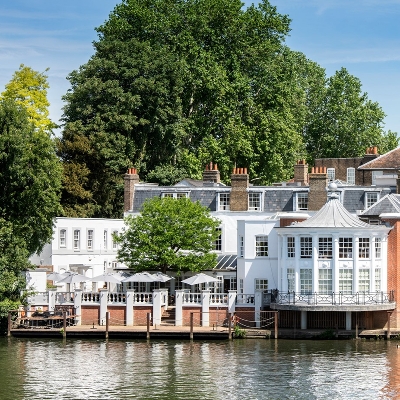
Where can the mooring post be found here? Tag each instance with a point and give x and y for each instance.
(148, 326)
(191, 326)
(107, 322)
(230, 326)
(388, 325)
(9, 324)
(276, 324)
(64, 324)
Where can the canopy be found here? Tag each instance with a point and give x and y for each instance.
(160, 277)
(199, 278)
(140, 277)
(108, 278)
(74, 278)
(56, 276)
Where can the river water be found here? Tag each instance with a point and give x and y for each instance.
(242, 369)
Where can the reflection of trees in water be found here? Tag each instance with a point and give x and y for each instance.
(392, 389)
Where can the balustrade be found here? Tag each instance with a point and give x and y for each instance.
(247, 299)
(116, 297)
(90, 297)
(218, 298)
(143, 298)
(191, 298)
(64, 297)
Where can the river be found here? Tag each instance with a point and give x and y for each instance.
(242, 369)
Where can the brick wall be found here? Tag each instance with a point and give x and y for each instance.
(140, 315)
(186, 311)
(90, 315)
(130, 179)
(318, 181)
(245, 316)
(301, 172)
(287, 221)
(239, 185)
(117, 315)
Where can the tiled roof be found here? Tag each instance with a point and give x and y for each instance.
(390, 160)
(387, 204)
(332, 215)
(227, 262)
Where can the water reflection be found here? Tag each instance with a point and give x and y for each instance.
(246, 369)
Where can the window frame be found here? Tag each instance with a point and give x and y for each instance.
(218, 242)
(364, 248)
(351, 175)
(291, 247)
(77, 239)
(257, 200)
(325, 280)
(370, 202)
(302, 201)
(114, 243)
(62, 238)
(105, 239)
(331, 174)
(364, 282)
(306, 247)
(306, 280)
(291, 279)
(260, 284)
(90, 239)
(175, 195)
(344, 249)
(224, 201)
(346, 280)
(261, 246)
(325, 247)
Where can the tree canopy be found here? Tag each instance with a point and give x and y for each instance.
(169, 235)
(29, 88)
(186, 82)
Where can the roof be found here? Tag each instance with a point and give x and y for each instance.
(227, 262)
(390, 160)
(332, 215)
(387, 204)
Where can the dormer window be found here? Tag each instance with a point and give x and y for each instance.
(224, 200)
(331, 174)
(301, 201)
(175, 195)
(254, 201)
(371, 198)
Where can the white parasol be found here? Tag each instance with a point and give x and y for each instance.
(199, 278)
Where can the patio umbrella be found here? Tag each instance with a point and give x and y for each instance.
(199, 278)
(108, 278)
(140, 277)
(56, 276)
(74, 278)
(160, 277)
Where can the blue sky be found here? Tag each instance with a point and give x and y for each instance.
(360, 35)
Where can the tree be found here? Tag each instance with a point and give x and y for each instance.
(180, 83)
(169, 235)
(29, 88)
(344, 122)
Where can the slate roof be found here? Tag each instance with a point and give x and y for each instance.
(387, 204)
(389, 161)
(332, 215)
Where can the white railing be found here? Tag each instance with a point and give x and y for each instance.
(143, 298)
(64, 297)
(90, 297)
(218, 298)
(247, 299)
(116, 298)
(191, 298)
(39, 298)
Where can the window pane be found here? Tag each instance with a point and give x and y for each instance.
(351, 175)
(261, 284)
(378, 279)
(331, 174)
(306, 247)
(63, 238)
(90, 239)
(218, 242)
(346, 281)
(325, 281)
(371, 199)
(77, 238)
(325, 248)
(363, 247)
(306, 281)
(345, 247)
(241, 246)
(378, 247)
(261, 246)
(291, 247)
(291, 279)
(302, 201)
(224, 201)
(363, 281)
(254, 201)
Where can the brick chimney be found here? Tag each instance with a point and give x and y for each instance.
(318, 181)
(211, 173)
(370, 154)
(301, 172)
(239, 183)
(130, 179)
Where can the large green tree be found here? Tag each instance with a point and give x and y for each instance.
(180, 83)
(343, 122)
(169, 235)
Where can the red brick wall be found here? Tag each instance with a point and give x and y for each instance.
(140, 314)
(245, 316)
(117, 315)
(218, 316)
(287, 221)
(90, 315)
(196, 316)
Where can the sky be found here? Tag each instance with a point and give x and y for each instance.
(361, 35)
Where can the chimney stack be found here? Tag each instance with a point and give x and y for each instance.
(239, 200)
(318, 181)
(130, 179)
(301, 172)
(211, 173)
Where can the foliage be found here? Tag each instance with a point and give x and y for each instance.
(30, 178)
(29, 88)
(169, 235)
(166, 175)
(238, 332)
(344, 122)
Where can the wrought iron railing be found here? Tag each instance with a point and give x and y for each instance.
(337, 299)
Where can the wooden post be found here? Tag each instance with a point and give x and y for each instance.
(230, 326)
(107, 322)
(389, 313)
(191, 326)
(148, 326)
(356, 325)
(64, 324)
(276, 324)
(9, 324)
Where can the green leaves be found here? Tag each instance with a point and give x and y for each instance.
(169, 235)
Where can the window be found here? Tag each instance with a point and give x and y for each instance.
(378, 247)
(224, 201)
(325, 281)
(77, 239)
(90, 239)
(240, 285)
(331, 174)
(114, 243)
(261, 246)
(346, 280)
(291, 279)
(232, 283)
(306, 281)
(378, 279)
(114, 265)
(291, 247)
(371, 198)
(261, 284)
(254, 201)
(218, 285)
(363, 247)
(345, 247)
(351, 175)
(105, 241)
(302, 201)
(63, 238)
(241, 246)
(218, 241)
(325, 248)
(306, 247)
(174, 195)
(363, 280)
